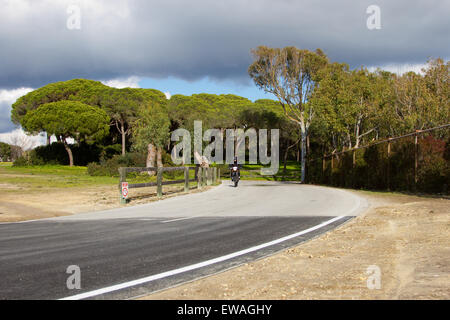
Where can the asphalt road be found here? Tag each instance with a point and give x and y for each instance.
(127, 252)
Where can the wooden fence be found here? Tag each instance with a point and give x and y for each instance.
(203, 177)
(334, 157)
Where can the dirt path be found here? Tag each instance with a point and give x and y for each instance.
(406, 237)
(17, 204)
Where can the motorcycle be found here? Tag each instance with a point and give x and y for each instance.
(235, 175)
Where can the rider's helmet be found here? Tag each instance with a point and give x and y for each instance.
(235, 160)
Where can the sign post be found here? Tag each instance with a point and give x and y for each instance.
(124, 192)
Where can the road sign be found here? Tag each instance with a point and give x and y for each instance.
(125, 190)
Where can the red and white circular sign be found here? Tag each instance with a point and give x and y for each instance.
(124, 189)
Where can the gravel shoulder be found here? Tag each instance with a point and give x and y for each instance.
(407, 237)
(19, 204)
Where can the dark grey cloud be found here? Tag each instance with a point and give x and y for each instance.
(7, 98)
(5, 117)
(193, 39)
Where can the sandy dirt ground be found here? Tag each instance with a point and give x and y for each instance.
(26, 204)
(407, 238)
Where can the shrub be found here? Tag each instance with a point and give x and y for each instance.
(433, 175)
(110, 151)
(111, 166)
(83, 153)
(5, 152)
(95, 169)
(20, 162)
(54, 153)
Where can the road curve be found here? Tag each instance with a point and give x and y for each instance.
(135, 250)
(250, 199)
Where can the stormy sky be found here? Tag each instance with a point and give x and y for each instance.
(197, 39)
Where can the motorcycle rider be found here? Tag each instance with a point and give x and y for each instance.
(235, 164)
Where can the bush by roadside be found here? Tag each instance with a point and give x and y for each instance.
(111, 166)
(55, 154)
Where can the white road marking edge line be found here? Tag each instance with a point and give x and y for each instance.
(195, 266)
(179, 219)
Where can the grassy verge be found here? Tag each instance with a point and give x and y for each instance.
(58, 176)
(37, 178)
(5, 164)
(51, 176)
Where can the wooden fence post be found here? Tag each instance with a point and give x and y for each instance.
(389, 164)
(416, 159)
(204, 175)
(332, 162)
(209, 176)
(159, 178)
(186, 179)
(332, 168)
(354, 158)
(353, 167)
(123, 178)
(324, 164)
(199, 177)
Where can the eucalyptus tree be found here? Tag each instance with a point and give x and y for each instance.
(266, 114)
(291, 75)
(437, 98)
(331, 126)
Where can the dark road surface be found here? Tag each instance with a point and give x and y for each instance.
(119, 251)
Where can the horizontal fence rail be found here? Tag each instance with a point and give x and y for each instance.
(388, 140)
(203, 177)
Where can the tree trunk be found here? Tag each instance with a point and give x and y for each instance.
(307, 143)
(151, 155)
(122, 131)
(69, 152)
(159, 157)
(201, 160)
(303, 156)
(285, 160)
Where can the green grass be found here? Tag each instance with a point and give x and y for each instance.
(58, 176)
(5, 164)
(51, 176)
(292, 172)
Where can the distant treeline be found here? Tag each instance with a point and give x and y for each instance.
(342, 109)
